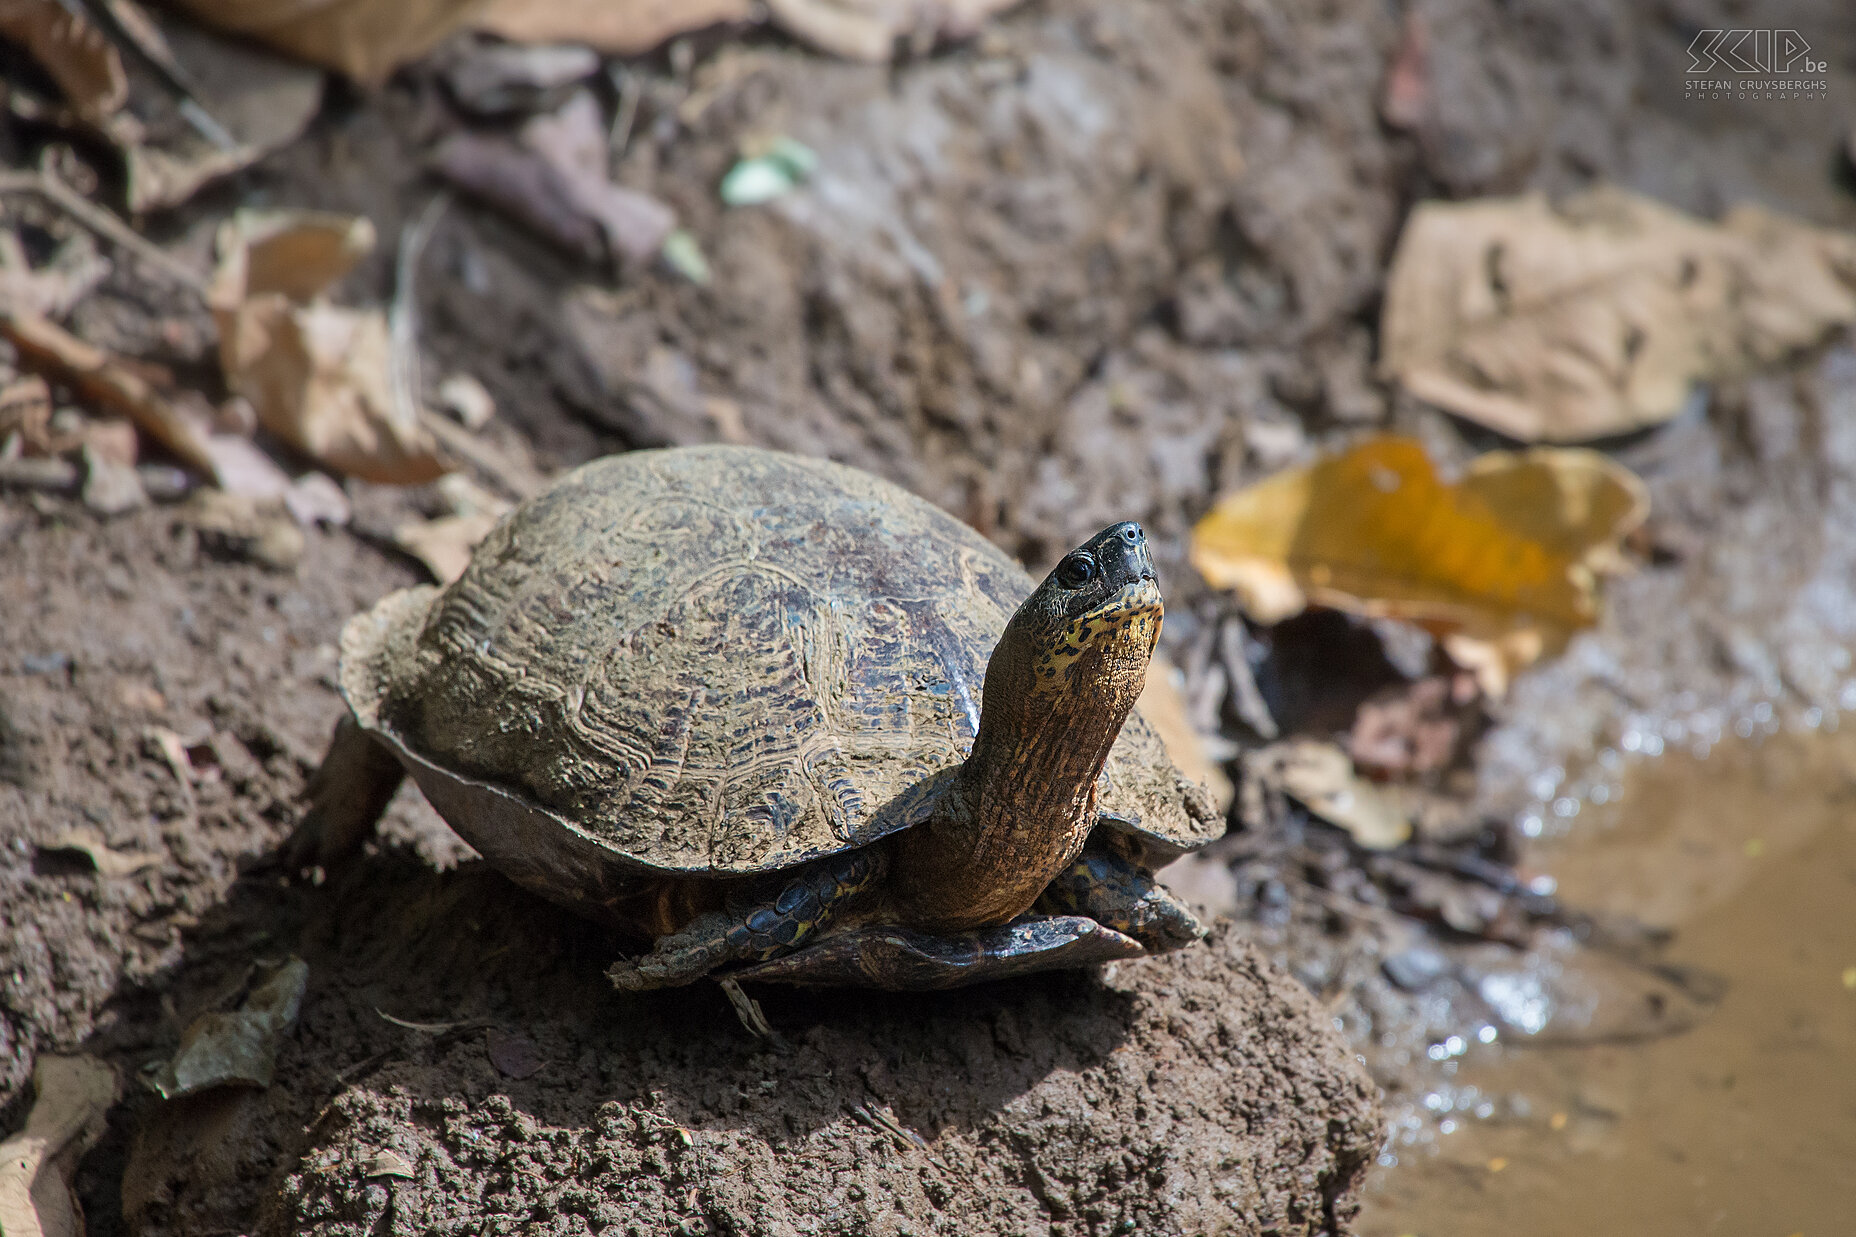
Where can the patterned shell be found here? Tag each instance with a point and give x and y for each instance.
(717, 660)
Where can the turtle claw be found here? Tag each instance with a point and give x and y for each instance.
(680, 958)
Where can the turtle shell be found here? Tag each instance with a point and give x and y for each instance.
(711, 660)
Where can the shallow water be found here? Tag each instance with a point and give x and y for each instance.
(1744, 1124)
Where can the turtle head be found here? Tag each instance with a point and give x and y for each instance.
(1091, 625)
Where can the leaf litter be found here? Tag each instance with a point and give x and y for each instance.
(237, 1047)
(1597, 316)
(72, 1099)
(1503, 564)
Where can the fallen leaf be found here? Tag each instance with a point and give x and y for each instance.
(444, 544)
(513, 1055)
(257, 102)
(110, 863)
(1579, 504)
(364, 39)
(1320, 777)
(318, 375)
(616, 27)
(1206, 883)
(683, 254)
(56, 286)
(552, 178)
(72, 1098)
(1503, 560)
(237, 1048)
(315, 498)
(870, 29)
(111, 383)
(26, 410)
(74, 54)
(1597, 316)
(238, 526)
(387, 1163)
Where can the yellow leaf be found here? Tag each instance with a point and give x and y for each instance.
(1597, 316)
(1502, 562)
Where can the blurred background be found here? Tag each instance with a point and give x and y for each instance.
(1481, 373)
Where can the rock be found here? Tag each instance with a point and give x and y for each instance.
(239, 527)
(1203, 1091)
(465, 399)
(47, 473)
(111, 487)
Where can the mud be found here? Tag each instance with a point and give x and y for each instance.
(1104, 263)
(1742, 1124)
(1194, 1093)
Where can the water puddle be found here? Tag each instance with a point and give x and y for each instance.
(1744, 1125)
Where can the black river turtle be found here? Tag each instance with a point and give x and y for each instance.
(778, 715)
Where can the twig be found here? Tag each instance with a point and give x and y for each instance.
(1248, 698)
(403, 314)
(882, 1122)
(626, 114)
(44, 183)
(747, 1009)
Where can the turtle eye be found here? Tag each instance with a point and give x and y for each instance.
(1076, 571)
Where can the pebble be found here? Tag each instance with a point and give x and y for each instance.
(1416, 968)
(111, 487)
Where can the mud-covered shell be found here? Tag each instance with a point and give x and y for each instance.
(711, 660)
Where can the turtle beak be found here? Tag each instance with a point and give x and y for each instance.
(1121, 551)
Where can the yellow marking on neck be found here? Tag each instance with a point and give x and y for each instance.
(1127, 624)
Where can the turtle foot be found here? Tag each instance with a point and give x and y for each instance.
(680, 958)
(904, 960)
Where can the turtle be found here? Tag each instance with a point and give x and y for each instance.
(784, 721)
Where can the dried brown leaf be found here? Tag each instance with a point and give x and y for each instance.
(616, 27)
(553, 179)
(1320, 777)
(362, 38)
(444, 544)
(870, 29)
(74, 54)
(73, 1096)
(107, 861)
(261, 100)
(318, 375)
(114, 384)
(1596, 317)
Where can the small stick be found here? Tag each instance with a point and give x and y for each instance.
(100, 221)
(747, 1009)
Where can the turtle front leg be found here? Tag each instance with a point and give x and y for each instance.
(347, 793)
(1118, 893)
(806, 905)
